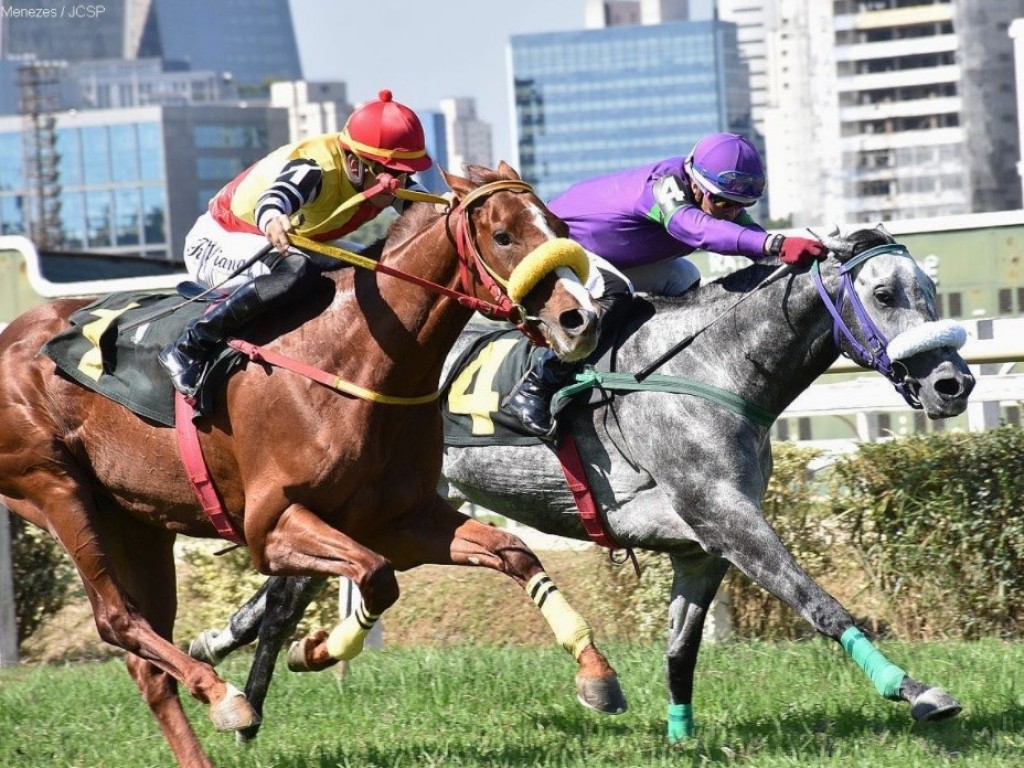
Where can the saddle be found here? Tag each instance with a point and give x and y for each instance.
(123, 366)
(490, 367)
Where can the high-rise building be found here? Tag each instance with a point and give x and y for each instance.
(254, 40)
(436, 140)
(600, 100)
(467, 137)
(891, 109)
(313, 107)
(133, 181)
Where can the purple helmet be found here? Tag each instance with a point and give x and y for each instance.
(726, 164)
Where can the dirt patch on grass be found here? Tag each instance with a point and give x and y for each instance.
(439, 606)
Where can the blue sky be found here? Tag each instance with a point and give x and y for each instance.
(425, 50)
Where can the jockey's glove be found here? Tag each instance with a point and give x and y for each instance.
(798, 251)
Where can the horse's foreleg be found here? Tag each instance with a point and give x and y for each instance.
(695, 580)
(160, 692)
(741, 534)
(439, 534)
(301, 543)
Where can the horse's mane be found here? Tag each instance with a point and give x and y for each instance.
(742, 281)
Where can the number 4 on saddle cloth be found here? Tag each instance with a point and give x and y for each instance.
(123, 366)
(491, 365)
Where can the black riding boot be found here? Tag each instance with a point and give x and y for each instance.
(186, 358)
(530, 401)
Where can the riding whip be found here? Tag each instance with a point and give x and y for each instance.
(170, 310)
(678, 347)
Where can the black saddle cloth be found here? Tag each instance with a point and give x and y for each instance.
(123, 366)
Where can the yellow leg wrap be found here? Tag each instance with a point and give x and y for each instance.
(346, 640)
(571, 630)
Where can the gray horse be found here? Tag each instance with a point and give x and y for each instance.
(684, 474)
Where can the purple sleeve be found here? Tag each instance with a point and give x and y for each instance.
(690, 225)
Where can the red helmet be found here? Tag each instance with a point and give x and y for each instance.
(388, 133)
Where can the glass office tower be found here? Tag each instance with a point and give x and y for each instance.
(596, 101)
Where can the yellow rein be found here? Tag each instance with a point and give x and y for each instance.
(559, 252)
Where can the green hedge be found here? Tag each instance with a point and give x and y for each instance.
(920, 538)
(938, 523)
(42, 576)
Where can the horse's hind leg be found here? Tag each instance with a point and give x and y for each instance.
(215, 645)
(88, 537)
(695, 580)
(438, 534)
(286, 601)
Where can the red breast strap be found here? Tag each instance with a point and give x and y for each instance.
(198, 474)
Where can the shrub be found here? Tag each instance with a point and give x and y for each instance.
(42, 574)
(938, 524)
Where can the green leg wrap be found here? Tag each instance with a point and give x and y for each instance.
(886, 676)
(680, 722)
(571, 630)
(346, 640)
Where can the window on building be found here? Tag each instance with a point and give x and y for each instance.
(99, 218)
(782, 430)
(884, 424)
(72, 220)
(124, 149)
(151, 154)
(230, 137)
(128, 216)
(154, 219)
(11, 217)
(1020, 300)
(803, 426)
(956, 308)
(10, 162)
(1005, 301)
(96, 155)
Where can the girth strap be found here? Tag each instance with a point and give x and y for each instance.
(191, 453)
(590, 378)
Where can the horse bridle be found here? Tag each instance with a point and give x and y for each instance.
(471, 262)
(874, 354)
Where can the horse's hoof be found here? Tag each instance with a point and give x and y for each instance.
(603, 694)
(934, 704)
(247, 736)
(233, 712)
(201, 650)
(310, 654)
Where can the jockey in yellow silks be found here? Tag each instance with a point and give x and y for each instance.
(335, 183)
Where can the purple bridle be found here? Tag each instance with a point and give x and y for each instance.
(875, 353)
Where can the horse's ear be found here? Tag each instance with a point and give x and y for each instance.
(507, 171)
(460, 186)
(881, 228)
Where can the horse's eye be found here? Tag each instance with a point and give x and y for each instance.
(503, 238)
(884, 297)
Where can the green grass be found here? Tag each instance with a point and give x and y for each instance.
(770, 705)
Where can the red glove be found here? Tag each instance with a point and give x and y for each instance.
(799, 251)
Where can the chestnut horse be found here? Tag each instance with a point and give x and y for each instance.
(320, 483)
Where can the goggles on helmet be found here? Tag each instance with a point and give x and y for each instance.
(738, 183)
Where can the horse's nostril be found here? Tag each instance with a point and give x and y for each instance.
(953, 386)
(571, 320)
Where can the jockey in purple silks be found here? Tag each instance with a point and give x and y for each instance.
(641, 224)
